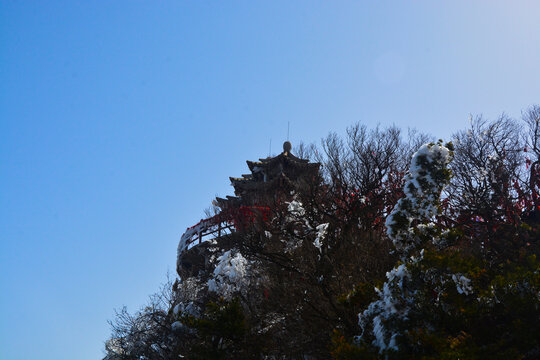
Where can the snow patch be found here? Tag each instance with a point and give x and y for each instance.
(321, 234)
(463, 284)
(393, 305)
(230, 274)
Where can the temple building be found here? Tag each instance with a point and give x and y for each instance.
(272, 180)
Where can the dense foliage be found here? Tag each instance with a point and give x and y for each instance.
(402, 248)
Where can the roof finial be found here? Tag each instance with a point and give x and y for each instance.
(287, 147)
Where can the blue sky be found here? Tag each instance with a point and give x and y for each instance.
(120, 122)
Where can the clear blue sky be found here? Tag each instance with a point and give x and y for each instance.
(120, 121)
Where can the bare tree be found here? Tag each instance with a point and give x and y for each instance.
(146, 333)
(532, 140)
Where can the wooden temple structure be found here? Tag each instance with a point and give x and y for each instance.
(271, 181)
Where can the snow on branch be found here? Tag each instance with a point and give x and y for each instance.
(427, 176)
(230, 274)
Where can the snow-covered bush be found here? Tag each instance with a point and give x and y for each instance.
(427, 176)
(385, 318)
(230, 275)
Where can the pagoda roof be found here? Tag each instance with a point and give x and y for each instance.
(239, 180)
(228, 201)
(241, 185)
(284, 157)
(269, 173)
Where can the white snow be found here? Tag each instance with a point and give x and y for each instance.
(230, 274)
(295, 208)
(190, 233)
(422, 192)
(321, 233)
(463, 284)
(189, 309)
(393, 304)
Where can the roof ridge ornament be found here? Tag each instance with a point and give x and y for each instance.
(287, 148)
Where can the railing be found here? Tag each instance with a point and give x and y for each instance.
(216, 226)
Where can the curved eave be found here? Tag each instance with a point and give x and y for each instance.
(241, 186)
